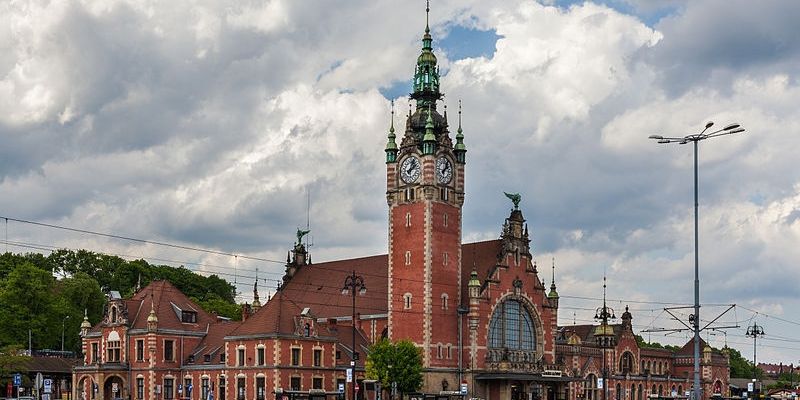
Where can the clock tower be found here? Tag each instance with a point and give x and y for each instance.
(425, 193)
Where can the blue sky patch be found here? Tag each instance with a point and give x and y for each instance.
(462, 42)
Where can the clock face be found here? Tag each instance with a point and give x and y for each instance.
(410, 170)
(444, 170)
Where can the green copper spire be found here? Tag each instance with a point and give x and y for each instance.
(391, 146)
(460, 149)
(429, 139)
(426, 73)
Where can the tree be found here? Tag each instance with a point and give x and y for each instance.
(27, 298)
(399, 362)
(740, 367)
(11, 361)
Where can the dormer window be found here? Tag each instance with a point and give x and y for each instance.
(207, 358)
(191, 359)
(189, 316)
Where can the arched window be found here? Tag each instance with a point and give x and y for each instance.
(512, 327)
(618, 391)
(626, 363)
(680, 390)
(640, 393)
(113, 315)
(590, 387)
(660, 390)
(653, 390)
(633, 392)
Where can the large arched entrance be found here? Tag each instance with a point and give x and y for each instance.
(113, 388)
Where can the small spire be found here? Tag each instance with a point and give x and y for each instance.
(391, 145)
(553, 293)
(460, 149)
(86, 324)
(427, 15)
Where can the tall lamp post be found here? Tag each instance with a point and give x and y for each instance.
(354, 284)
(63, 325)
(604, 334)
(695, 318)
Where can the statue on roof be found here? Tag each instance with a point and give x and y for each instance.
(515, 198)
(300, 234)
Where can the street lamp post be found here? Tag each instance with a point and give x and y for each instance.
(695, 318)
(354, 284)
(63, 325)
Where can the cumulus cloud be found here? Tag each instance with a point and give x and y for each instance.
(208, 124)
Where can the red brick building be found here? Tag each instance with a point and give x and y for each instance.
(480, 312)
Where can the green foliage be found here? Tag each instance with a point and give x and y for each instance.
(34, 300)
(399, 362)
(741, 367)
(11, 361)
(654, 345)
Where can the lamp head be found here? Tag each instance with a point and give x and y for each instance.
(709, 124)
(657, 137)
(731, 126)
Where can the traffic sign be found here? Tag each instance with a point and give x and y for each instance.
(48, 385)
(17, 379)
(341, 388)
(349, 375)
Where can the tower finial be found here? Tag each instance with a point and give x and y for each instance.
(554, 272)
(391, 145)
(427, 15)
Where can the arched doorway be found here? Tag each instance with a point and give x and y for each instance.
(113, 388)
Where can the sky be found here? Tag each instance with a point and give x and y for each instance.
(228, 125)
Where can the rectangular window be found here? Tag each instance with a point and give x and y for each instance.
(295, 356)
(189, 316)
(240, 358)
(221, 394)
(187, 387)
(260, 355)
(140, 350)
(445, 194)
(445, 219)
(222, 357)
(408, 257)
(408, 219)
(445, 256)
(169, 388)
(259, 388)
(317, 357)
(169, 353)
(204, 387)
(140, 388)
(295, 383)
(113, 351)
(338, 354)
(95, 354)
(240, 389)
(316, 383)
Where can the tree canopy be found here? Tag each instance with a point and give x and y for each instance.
(399, 362)
(45, 294)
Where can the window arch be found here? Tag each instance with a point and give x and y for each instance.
(618, 391)
(640, 393)
(626, 363)
(512, 327)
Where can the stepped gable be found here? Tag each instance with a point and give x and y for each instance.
(319, 286)
(168, 302)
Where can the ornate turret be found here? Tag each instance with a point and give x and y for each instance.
(391, 145)
(426, 73)
(256, 301)
(85, 325)
(626, 319)
(553, 295)
(297, 257)
(460, 149)
(152, 319)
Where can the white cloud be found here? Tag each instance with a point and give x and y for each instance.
(206, 123)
